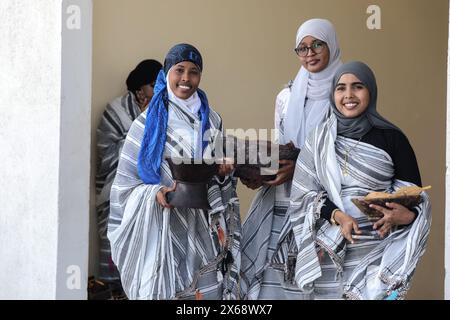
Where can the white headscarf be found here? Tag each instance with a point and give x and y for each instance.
(314, 86)
(192, 104)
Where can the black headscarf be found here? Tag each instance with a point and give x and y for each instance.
(359, 126)
(145, 72)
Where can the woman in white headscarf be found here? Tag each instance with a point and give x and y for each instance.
(299, 108)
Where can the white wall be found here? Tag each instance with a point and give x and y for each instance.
(29, 140)
(44, 143)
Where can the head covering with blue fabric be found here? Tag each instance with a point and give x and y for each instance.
(153, 143)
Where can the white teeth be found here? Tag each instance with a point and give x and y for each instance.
(350, 105)
(184, 87)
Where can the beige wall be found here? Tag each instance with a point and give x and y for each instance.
(247, 50)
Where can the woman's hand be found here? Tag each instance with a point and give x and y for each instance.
(347, 224)
(285, 173)
(225, 168)
(252, 184)
(395, 216)
(161, 196)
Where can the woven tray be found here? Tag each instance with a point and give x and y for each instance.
(407, 196)
(258, 171)
(373, 215)
(253, 173)
(250, 152)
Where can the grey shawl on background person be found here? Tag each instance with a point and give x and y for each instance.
(111, 133)
(173, 253)
(365, 270)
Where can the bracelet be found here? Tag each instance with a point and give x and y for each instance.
(332, 220)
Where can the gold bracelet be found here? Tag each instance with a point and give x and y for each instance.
(332, 220)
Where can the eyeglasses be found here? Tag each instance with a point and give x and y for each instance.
(316, 47)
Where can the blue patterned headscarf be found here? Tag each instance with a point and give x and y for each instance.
(183, 52)
(154, 140)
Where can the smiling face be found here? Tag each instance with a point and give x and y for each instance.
(313, 61)
(184, 78)
(351, 96)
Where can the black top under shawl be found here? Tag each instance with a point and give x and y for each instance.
(396, 144)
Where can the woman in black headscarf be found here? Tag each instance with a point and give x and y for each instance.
(141, 81)
(111, 133)
(334, 251)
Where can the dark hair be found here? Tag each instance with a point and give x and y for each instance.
(145, 72)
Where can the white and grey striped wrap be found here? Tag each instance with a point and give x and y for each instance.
(111, 133)
(159, 253)
(371, 274)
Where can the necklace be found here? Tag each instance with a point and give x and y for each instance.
(347, 152)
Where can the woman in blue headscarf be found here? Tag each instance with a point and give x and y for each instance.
(164, 252)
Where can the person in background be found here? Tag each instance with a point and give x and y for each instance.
(111, 133)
